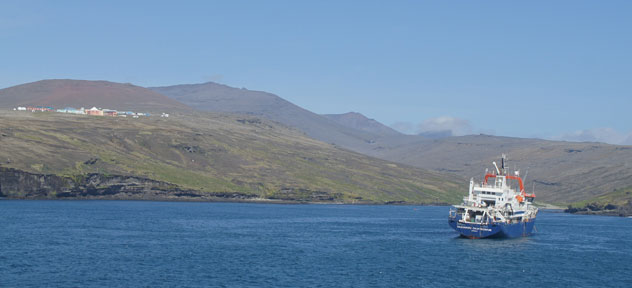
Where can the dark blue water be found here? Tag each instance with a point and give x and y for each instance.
(120, 243)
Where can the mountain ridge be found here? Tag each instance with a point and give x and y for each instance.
(61, 93)
(358, 121)
(214, 97)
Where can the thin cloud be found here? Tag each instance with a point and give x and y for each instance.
(439, 127)
(445, 125)
(604, 135)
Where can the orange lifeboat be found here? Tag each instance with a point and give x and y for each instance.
(520, 198)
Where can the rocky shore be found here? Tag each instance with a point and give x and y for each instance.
(607, 209)
(17, 184)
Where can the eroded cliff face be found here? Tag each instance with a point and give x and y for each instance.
(17, 184)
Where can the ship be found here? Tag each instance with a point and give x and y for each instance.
(495, 209)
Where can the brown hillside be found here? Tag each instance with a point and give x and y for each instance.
(83, 93)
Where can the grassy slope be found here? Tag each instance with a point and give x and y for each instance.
(618, 197)
(615, 203)
(213, 153)
(560, 172)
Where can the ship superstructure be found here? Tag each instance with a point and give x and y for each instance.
(494, 208)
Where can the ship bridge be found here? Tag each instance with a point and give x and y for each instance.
(493, 193)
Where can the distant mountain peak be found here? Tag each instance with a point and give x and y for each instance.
(353, 114)
(358, 121)
(212, 96)
(222, 98)
(87, 93)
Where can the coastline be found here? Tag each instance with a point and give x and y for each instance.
(211, 199)
(612, 212)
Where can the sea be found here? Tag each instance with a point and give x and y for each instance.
(193, 244)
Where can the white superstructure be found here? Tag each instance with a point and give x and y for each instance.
(494, 200)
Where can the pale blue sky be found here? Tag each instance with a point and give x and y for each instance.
(531, 68)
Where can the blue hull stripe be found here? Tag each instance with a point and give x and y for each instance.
(496, 229)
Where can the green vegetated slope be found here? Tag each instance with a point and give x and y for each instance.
(213, 153)
(559, 172)
(617, 197)
(617, 202)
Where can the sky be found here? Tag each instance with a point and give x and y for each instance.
(548, 69)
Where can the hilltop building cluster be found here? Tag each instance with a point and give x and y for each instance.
(94, 111)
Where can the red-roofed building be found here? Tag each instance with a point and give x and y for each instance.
(94, 111)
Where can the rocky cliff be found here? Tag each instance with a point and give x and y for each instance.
(17, 184)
